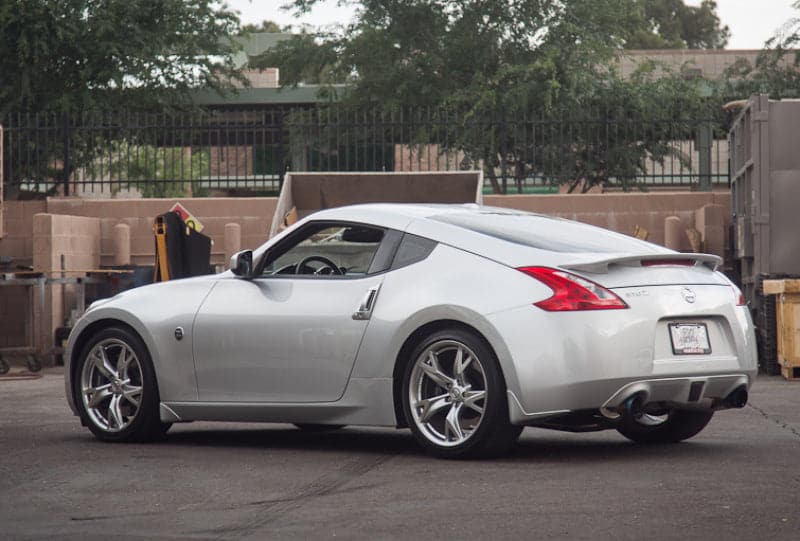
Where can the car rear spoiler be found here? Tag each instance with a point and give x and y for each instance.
(601, 266)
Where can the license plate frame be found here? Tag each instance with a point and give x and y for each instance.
(689, 338)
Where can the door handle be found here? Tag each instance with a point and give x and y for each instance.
(364, 310)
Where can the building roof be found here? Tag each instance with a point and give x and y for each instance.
(262, 96)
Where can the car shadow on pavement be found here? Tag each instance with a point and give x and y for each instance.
(537, 446)
(359, 440)
(546, 448)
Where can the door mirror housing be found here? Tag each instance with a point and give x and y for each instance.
(242, 263)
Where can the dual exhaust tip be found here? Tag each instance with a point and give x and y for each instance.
(737, 399)
(634, 405)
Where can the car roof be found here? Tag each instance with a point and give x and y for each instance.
(494, 232)
(371, 212)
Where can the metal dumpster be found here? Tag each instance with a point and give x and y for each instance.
(304, 193)
(765, 201)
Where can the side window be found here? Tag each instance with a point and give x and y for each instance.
(412, 250)
(326, 250)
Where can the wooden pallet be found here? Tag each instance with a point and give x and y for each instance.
(790, 372)
(787, 312)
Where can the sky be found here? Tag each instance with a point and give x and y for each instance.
(751, 22)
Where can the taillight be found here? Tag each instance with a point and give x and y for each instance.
(740, 300)
(571, 292)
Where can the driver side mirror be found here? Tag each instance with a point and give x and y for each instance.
(242, 263)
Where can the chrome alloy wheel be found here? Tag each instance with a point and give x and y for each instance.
(111, 385)
(649, 419)
(447, 393)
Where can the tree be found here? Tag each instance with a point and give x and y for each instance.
(671, 24)
(776, 70)
(424, 51)
(494, 75)
(264, 26)
(74, 55)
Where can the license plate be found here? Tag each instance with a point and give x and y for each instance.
(689, 339)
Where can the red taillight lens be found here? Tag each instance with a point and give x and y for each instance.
(571, 292)
(740, 300)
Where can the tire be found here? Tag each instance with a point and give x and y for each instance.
(121, 401)
(679, 425)
(452, 412)
(314, 427)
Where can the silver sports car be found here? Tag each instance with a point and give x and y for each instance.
(463, 323)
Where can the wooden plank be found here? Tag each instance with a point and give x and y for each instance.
(791, 373)
(788, 326)
(776, 287)
(773, 287)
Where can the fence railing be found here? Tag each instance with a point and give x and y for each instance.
(238, 151)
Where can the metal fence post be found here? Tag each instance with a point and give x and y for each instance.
(65, 170)
(704, 144)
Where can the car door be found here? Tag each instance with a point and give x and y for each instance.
(291, 334)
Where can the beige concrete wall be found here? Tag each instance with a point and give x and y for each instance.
(62, 242)
(622, 212)
(18, 227)
(253, 214)
(232, 161)
(72, 237)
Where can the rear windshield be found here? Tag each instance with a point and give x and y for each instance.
(546, 233)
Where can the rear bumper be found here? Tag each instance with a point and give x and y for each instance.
(555, 363)
(702, 392)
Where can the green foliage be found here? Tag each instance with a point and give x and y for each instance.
(671, 24)
(776, 70)
(421, 52)
(74, 55)
(151, 170)
(600, 130)
(504, 77)
(264, 26)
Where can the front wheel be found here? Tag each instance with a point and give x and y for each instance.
(670, 427)
(116, 389)
(454, 397)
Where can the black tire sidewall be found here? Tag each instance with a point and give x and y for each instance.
(681, 425)
(147, 423)
(496, 407)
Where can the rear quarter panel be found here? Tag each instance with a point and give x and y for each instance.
(450, 284)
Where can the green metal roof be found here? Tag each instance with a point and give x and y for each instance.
(261, 96)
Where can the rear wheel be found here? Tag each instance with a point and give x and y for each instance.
(669, 427)
(454, 397)
(116, 389)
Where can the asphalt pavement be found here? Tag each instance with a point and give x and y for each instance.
(738, 479)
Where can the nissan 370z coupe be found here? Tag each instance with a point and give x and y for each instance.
(463, 323)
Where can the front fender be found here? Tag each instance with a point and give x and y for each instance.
(153, 312)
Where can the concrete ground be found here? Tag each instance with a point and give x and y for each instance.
(739, 479)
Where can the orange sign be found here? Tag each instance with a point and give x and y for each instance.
(187, 217)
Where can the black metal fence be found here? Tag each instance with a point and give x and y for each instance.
(249, 151)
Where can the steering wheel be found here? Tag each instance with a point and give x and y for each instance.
(321, 259)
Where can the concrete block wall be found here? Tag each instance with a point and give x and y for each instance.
(253, 214)
(17, 241)
(232, 161)
(62, 242)
(83, 230)
(622, 212)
